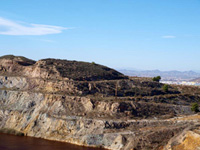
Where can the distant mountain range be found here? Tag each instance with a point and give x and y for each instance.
(165, 75)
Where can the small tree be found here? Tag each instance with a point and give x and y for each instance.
(165, 88)
(157, 79)
(195, 107)
(93, 63)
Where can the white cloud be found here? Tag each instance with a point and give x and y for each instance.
(8, 27)
(168, 36)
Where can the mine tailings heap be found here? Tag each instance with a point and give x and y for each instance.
(93, 105)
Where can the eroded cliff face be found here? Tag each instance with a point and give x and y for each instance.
(114, 113)
(189, 139)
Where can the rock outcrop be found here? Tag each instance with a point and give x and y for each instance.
(92, 105)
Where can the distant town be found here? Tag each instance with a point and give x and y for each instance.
(168, 77)
(181, 82)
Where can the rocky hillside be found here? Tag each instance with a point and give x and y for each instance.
(92, 105)
(56, 69)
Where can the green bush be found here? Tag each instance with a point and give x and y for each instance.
(195, 107)
(157, 79)
(165, 88)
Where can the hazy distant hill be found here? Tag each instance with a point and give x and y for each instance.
(196, 80)
(166, 75)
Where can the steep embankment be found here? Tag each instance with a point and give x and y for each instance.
(90, 104)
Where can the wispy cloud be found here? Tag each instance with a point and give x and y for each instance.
(49, 41)
(168, 36)
(9, 27)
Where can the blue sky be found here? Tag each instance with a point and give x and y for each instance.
(141, 34)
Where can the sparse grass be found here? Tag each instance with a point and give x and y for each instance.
(15, 57)
(20, 59)
(82, 71)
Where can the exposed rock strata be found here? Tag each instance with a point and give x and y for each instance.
(117, 113)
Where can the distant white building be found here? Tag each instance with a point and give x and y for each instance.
(181, 83)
